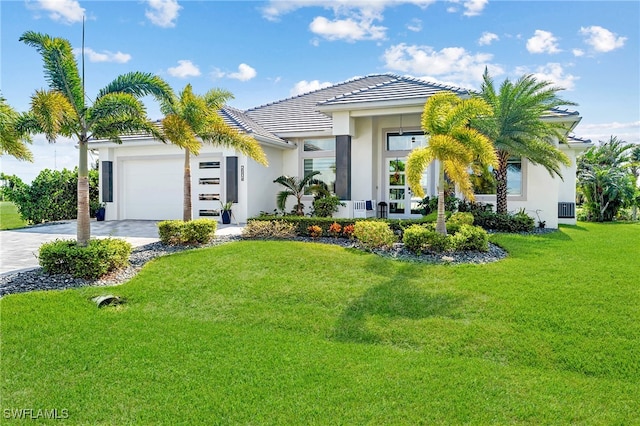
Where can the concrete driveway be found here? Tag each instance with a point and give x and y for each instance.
(19, 247)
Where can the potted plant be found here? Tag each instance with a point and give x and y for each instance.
(225, 211)
(100, 212)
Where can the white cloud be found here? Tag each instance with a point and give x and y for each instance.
(347, 29)
(163, 13)
(474, 7)
(601, 39)
(487, 38)
(552, 72)
(451, 65)
(577, 52)
(543, 42)
(277, 8)
(105, 56)
(415, 25)
(305, 86)
(67, 11)
(245, 73)
(628, 132)
(184, 69)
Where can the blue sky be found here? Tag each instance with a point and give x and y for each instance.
(270, 50)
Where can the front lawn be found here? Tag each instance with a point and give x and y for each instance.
(9, 216)
(267, 332)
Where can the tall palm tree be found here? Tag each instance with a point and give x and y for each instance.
(517, 128)
(297, 187)
(452, 142)
(191, 119)
(13, 142)
(62, 110)
(634, 158)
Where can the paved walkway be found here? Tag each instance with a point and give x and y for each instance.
(19, 247)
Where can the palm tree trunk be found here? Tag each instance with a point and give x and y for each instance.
(441, 226)
(186, 206)
(83, 231)
(500, 174)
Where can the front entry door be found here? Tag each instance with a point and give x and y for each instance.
(402, 202)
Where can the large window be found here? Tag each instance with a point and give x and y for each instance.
(485, 183)
(406, 141)
(319, 155)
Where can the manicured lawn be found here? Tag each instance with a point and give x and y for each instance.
(295, 333)
(9, 217)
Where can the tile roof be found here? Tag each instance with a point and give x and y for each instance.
(241, 121)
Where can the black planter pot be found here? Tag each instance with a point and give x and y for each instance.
(226, 217)
(100, 214)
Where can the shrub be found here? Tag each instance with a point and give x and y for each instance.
(437, 242)
(347, 231)
(461, 218)
(269, 229)
(519, 222)
(326, 206)
(53, 195)
(415, 238)
(198, 231)
(98, 258)
(335, 229)
(469, 237)
(315, 231)
(374, 234)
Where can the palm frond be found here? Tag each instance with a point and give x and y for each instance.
(140, 84)
(13, 136)
(54, 114)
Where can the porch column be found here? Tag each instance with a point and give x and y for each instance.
(343, 167)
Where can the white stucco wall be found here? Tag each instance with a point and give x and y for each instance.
(258, 185)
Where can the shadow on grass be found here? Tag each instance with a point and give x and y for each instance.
(394, 299)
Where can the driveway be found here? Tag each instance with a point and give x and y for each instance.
(19, 247)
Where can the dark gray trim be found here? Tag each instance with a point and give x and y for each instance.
(106, 170)
(343, 167)
(231, 178)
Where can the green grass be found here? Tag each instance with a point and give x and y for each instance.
(295, 333)
(9, 217)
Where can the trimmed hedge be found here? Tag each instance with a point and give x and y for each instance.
(518, 222)
(178, 232)
(374, 234)
(98, 258)
(276, 229)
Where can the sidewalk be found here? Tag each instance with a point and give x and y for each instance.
(19, 247)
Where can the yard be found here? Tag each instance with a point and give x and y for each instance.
(9, 216)
(273, 332)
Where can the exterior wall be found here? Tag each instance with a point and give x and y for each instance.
(363, 168)
(567, 187)
(258, 186)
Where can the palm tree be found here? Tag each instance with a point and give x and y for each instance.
(190, 119)
(452, 142)
(634, 158)
(517, 128)
(297, 187)
(12, 140)
(62, 110)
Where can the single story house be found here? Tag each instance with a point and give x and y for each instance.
(357, 134)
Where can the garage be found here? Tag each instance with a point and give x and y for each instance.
(151, 188)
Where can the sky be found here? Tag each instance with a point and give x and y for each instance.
(270, 50)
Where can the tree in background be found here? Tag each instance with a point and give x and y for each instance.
(297, 187)
(634, 166)
(517, 129)
(13, 142)
(62, 110)
(605, 179)
(191, 119)
(452, 142)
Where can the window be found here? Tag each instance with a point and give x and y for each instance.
(319, 155)
(485, 183)
(406, 141)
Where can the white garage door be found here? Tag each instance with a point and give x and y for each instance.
(152, 189)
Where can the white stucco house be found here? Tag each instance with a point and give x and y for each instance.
(356, 133)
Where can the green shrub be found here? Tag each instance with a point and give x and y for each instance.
(374, 234)
(326, 206)
(437, 242)
(52, 195)
(469, 237)
(98, 258)
(415, 238)
(461, 218)
(269, 229)
(519, 222)
(198, 231)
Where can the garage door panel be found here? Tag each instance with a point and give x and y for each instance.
(152, 189)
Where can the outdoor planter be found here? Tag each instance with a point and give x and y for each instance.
(226, 217)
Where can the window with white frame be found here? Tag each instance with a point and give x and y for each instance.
(319, 155)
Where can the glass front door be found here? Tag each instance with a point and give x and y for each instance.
(402, 202)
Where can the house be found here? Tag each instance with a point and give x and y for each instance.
(357, 133)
